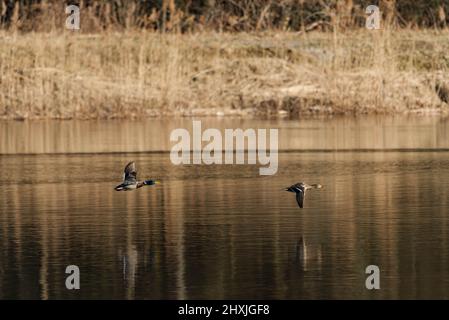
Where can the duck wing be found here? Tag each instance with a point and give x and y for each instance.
(300, 197)
(130, 174)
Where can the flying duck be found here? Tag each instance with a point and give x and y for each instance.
(300, 190)
(130, 179)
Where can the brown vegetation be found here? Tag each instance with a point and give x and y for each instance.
(219, 15)
(116, 66)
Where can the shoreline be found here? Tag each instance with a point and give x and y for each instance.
(250, 114)
(243, 114)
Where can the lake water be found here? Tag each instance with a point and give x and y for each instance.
(224, 231)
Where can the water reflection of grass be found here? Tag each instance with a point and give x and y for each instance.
(135, 74)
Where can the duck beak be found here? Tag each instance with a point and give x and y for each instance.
(157, 182)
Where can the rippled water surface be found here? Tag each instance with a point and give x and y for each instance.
(223, 231)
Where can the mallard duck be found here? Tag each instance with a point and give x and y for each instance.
(130, 179)
(300, 189)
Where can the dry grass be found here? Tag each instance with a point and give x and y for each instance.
(141, 73)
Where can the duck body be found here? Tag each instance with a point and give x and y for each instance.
(300, 189)
(130, 181)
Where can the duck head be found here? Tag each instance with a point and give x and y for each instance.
(151, 182)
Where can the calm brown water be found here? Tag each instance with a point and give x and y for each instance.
(223, 231)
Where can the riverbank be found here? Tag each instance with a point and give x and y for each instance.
(146, 74)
